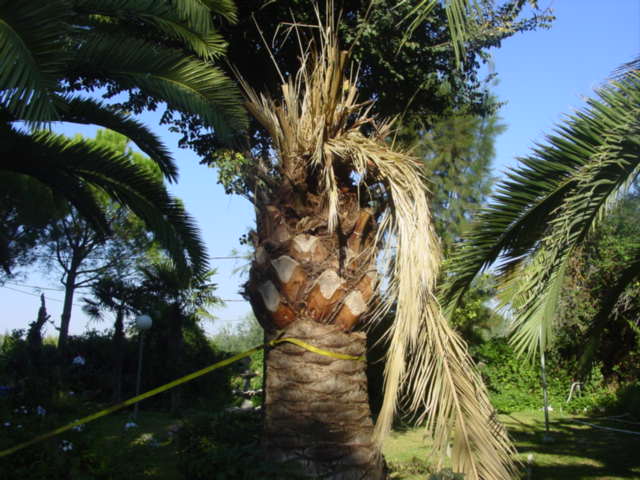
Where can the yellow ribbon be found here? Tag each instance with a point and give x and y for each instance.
(175, 383)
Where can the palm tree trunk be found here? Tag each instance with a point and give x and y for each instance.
(317, 408)
(315, 284)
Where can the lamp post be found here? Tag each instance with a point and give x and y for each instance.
(143, 323)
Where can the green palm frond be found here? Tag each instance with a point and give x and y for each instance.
(198, 12)
(225, 8)
(70, 166)
(92, 112)
(209, 46)
(457, 15)
(554, 202)
(25, 154)
(32, 36)
(624, 69)
(92, 309)
(185, 84)
(113, 16)
(165, 216)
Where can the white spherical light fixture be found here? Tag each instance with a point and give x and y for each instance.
(143, 322)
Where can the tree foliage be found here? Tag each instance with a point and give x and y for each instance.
(598, 324)
(457, 153)
(416, 77)
(72, 248)
(550, 205)
(55, 51)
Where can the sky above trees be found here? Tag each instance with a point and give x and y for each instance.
(541, 76)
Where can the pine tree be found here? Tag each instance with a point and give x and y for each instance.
(457, 154)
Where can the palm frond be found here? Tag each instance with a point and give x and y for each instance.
(225, 8)
(320, 122)
(111, 16)
(185, 84)
(92, 309)
(198, 12)
(588, 166)
(624, 69)
(457, 17)
(25, 155)
(71, 166)
(32, 36)
(209, 46)
(92, 112)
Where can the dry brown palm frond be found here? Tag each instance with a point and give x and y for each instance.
(319, 123)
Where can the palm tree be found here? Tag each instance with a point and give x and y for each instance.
(118, 297)
(52, 51)
(176, 297)
(338, 203)
(547, 207)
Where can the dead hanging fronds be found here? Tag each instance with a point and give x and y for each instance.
(319, 123)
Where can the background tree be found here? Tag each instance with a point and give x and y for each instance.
(120, 297)
(245, 335)
(81, 254)
(457, 154)
(155, 52)
(597, 325)
(176, 300)
(26, 208)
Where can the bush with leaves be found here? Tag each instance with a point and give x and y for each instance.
(599, 322)
(514, 383)
(226, 446)
(90, 381)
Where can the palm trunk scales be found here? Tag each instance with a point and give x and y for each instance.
(313, 284)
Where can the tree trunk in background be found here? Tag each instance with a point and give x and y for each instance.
(65, 318)
(314, 284)
(118, 354)
(317, 408)
(174, 352)
(34, 338)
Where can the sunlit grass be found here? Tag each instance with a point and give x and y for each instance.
(570, 451)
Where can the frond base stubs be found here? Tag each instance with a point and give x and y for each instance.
(302, 270)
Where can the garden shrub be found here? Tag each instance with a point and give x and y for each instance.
(93, 380)
(514, 383)
(225, 446)
(627, 400)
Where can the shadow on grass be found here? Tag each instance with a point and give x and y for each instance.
(576, 451)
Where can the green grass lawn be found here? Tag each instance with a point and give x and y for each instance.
(574, 450)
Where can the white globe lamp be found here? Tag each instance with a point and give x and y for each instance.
(143, 322)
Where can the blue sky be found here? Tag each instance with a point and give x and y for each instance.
(542, 76)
